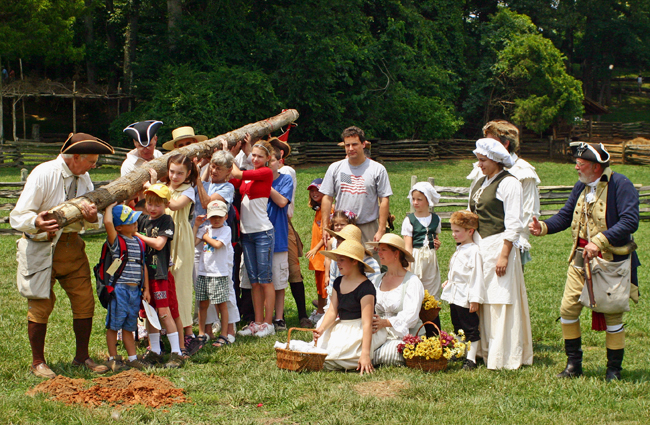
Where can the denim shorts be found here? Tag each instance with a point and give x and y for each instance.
(123, 308)
(258, 255)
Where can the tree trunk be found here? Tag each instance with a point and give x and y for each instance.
(111, 43)
(174, 13)
(130, 43)
(127, 186)
(90, 39)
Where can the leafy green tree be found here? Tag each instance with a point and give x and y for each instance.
(40, 28)
(522, 75)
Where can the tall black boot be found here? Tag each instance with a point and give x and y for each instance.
(614, 364)
(573, 351)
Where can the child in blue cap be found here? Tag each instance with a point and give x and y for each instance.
(131, 286)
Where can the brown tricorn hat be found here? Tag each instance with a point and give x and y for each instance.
(82, 143)
(283, 146)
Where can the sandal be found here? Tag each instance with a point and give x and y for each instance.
(221, 341)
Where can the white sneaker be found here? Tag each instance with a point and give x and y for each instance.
(315, 316)
(265, 330)
(249, 329)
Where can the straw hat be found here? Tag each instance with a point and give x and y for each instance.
(349, 232)
(395, 241)
(351, 249)
(183, 133)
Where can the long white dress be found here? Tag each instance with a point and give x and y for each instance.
(401, 306)
(506, 337)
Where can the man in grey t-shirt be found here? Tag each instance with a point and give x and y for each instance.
(358, 184)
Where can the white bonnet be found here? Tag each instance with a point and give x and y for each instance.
(425, 187)
(494, 150)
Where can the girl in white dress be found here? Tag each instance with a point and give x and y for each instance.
(345, 331)
(420, 231)
(399, 298)
(506, 339)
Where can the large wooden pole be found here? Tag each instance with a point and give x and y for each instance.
(127, 186)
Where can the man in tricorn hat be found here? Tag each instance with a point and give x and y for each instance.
(49, 185)
(144, 138)
(603, 212)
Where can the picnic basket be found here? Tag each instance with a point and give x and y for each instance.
(424, 364)
(298, 361)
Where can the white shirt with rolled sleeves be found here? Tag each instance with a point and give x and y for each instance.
(133, 161)
(465, 282)
(45, 188)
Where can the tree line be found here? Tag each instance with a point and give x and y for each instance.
(401, 69)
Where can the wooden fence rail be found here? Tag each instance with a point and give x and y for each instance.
(23, 152)
(555, 196)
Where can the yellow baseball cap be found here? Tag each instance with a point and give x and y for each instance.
(161, 190)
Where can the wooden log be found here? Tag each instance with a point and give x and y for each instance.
(127, 186)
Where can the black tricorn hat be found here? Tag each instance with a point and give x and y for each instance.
(82, 143)
(590, 152)
(143, 131)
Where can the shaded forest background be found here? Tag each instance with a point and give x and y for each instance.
(399, 69)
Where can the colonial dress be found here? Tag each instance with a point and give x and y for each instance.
(182, 253)
(506, 338)
(401, 307)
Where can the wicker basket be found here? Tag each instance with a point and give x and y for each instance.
(429, 315)
(299, 361)
(424, 364)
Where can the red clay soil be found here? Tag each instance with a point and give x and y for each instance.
(123, 389)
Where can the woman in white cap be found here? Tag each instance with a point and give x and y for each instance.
(506, 339)
(346, 329)
(508, 135)
(399, 298)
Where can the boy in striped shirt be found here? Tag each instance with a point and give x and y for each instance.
(131, 286)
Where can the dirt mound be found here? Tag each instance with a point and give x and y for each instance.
(124, 389)
(639, 141)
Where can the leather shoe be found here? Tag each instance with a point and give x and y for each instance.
(42, 371)
(90, 364)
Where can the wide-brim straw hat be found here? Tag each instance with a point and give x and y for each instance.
(183, 133)
(351, 249)
(395, 241)
(349, 232)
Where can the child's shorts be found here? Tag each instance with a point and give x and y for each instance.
(258, 255)
(212, 288)
(280, 275)
(123, 308)
(163, 294)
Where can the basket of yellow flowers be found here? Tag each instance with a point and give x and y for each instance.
(432, 354)
(430, 308)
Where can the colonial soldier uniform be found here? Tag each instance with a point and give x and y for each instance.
(603, 214)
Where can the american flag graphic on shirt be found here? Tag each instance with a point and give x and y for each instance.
(353, 184)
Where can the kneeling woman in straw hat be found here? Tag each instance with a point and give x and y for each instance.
(348, 339)
(399, 298)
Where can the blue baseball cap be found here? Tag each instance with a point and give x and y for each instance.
(315, 184)
(124, 215)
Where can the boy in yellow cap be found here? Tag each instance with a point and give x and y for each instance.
(157, 230)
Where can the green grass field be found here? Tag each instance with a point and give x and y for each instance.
(227, 385)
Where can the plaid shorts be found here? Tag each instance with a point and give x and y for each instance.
(213, 288)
